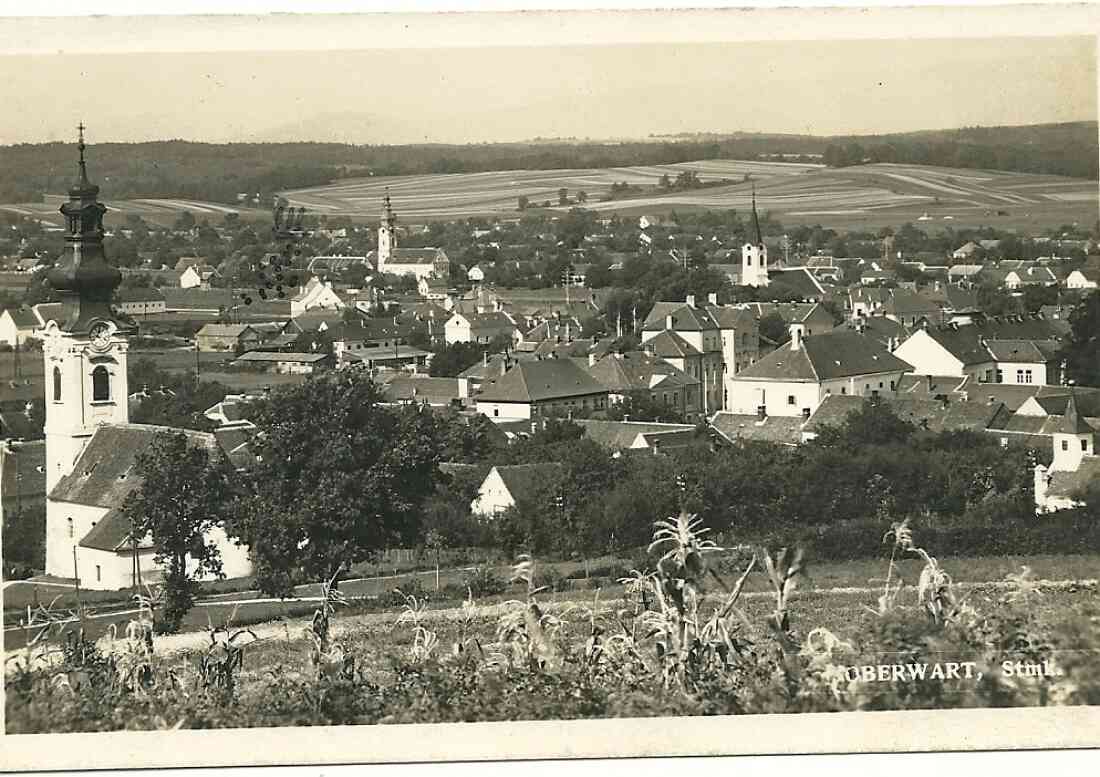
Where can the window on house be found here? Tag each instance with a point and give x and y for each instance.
(98, 573)
(1019, 376)
(496, 411)
(1004, 442)
(1027, 376)
(56, 384)
(1000, 376)
(1085, 445)
(893, 386)
(71, 530)
(880, 384)
(790, 399)
(1065, 445)
(101, 384)
(805, 412)
(843, 389)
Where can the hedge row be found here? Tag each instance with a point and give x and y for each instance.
(1062, 533)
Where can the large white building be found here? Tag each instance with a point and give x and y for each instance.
(795, 378)
(91, 448)
(754, 256)
(1074, 466)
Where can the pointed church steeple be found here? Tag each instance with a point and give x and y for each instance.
(756, 220)
(83, 277)
(1072, 422)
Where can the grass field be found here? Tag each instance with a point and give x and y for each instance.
(867, 196)
(162, 212)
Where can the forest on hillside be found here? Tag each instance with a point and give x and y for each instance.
(221, 172)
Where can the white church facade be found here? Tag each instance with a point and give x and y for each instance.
(423, 263)
(91, 448)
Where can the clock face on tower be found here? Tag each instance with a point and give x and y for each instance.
(100, 336)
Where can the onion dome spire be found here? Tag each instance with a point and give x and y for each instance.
(83, 277)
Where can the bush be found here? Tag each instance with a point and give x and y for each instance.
(484, 581)
(550, 578)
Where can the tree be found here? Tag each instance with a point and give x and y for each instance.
(563, 196)
(453, 359)
(339, 478)
(1082, 351)
(582, 197)
(874, 423)
(644, 408)
(522, 203)
(184, 494)
(774, 328)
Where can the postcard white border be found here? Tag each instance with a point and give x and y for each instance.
(855, 732)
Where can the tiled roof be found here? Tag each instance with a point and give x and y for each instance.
(1069, 484)
(778, 429)
(23, 317)
(1071, 421)
(281, 356)
(619, 435)
(1023, 351)
(638, 371)
(102, 475)
(137, 294)
(522, 480)
(685, 317)
(903, 302)
(929, 385)
(732, 317)
(423, 389)
(928, 414)
(668, 344)
(17, 424)
(825, 356)
(790, 312)
(23, 473)
(545, 379)
(798, 279)
(224, 330)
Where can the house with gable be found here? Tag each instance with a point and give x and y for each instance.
(480, 327)
(794, 379)
(689, 337)
(637, 374)
(17, 325)
(315, 294)
(540, 387)
(1083, 278)
(505, 486)
(1074, 465)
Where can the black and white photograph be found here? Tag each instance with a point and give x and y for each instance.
(608, 374)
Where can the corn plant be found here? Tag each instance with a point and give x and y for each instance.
(902, 537)
(467, 647)
(425, 641)
(688, 647)
(784, 572)
(524, 632)
(223, 660)
(326, 658)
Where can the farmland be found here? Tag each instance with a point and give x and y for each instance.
(533, 654)
(161, 212)
(864, 197)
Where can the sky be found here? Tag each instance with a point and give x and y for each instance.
(486, 93)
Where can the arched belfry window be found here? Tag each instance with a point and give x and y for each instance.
(56, 384)
(101, 384)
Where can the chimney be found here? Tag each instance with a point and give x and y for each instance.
(796, 336)
(534, 427)
(928, 382)
(690, 300)
(485, 358)
(503, 365)
(712, 298)
(668, 321)
(591, 359)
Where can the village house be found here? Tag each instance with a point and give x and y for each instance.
(138, 301)
(620, 437)
(480, 328)
(17, 325)
(284, 363)
(395, 357)
(689, 338)
(540, 387)
(424, 390)
(1015, 352)
(1083, 278)
(639, 375)
(227, 337)
(794, 379)
(1074, 465)
(315, 294)
(505, 486)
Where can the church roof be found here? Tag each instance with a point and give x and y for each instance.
(103, 475)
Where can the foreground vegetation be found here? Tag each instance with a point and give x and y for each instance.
(681, 641)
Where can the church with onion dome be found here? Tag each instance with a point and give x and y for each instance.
(91, 447)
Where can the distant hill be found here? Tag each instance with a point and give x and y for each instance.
(218, 172)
